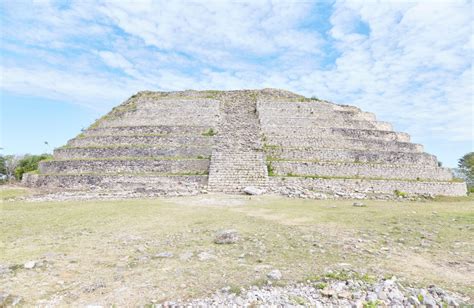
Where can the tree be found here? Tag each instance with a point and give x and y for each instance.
(3, 169)
(29, 163)
(466, 167)
(11, 162)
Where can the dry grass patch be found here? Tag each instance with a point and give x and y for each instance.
(104, 252)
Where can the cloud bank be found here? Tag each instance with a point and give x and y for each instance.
(409, 62)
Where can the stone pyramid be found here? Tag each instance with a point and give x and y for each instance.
(190, 142)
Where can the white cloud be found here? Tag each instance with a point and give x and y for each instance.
(413, 67)
(86, 90)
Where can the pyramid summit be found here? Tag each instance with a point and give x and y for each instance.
(190, 142)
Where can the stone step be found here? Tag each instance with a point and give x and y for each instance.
(232, 158)
(235, 163)
(196, 120)
(149, 130)
(150, 140)
(361, 156)
(353, 144)
(242, 166)
(121, 182)
(317, 114)
(131, 151)
(351, 186)
(142, 166)
(294, 108)
(291, 105)
(284, 123)
(233, 180)
(257, 174)
(174, 113)
(384, 171)
(185, 107)
(178, 104)
(334, 133)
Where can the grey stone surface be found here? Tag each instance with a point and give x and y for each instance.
(114, 166)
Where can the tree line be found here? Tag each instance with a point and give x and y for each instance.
(12, 167)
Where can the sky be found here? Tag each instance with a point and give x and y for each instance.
(63, 64)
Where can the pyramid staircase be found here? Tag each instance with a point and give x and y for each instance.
(238, 160)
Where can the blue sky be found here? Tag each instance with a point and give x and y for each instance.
(65, 63)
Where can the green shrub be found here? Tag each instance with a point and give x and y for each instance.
(420, 298)
(29, 163)
(271, 171)
(210, 132)
(320, 285)
(235, 290)
(400, 193)
(372, 304)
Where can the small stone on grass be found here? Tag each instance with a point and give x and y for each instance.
(274, 275)
(30, 265)
(165, 254)
(226, 237)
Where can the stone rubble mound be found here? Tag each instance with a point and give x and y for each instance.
(329, 293)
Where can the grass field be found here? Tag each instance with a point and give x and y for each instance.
(104, 252)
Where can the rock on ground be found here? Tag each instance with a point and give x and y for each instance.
(274, 275)
(29, 264)
(165, 254)
(253, 191)
(227, 237)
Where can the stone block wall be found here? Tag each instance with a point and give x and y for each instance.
(153, 141)
(325, 147)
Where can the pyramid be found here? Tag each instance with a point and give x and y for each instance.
(190, 142)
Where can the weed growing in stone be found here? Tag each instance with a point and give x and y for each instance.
(209, 133)
(270, 170)
(400, 193)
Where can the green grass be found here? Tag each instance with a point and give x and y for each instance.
(400, 193)
(320, 285)
(8, 192)
(420, 298)
(235, 289)
(372, 304)
(298, 300)
(211, 94)
(113, 242)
